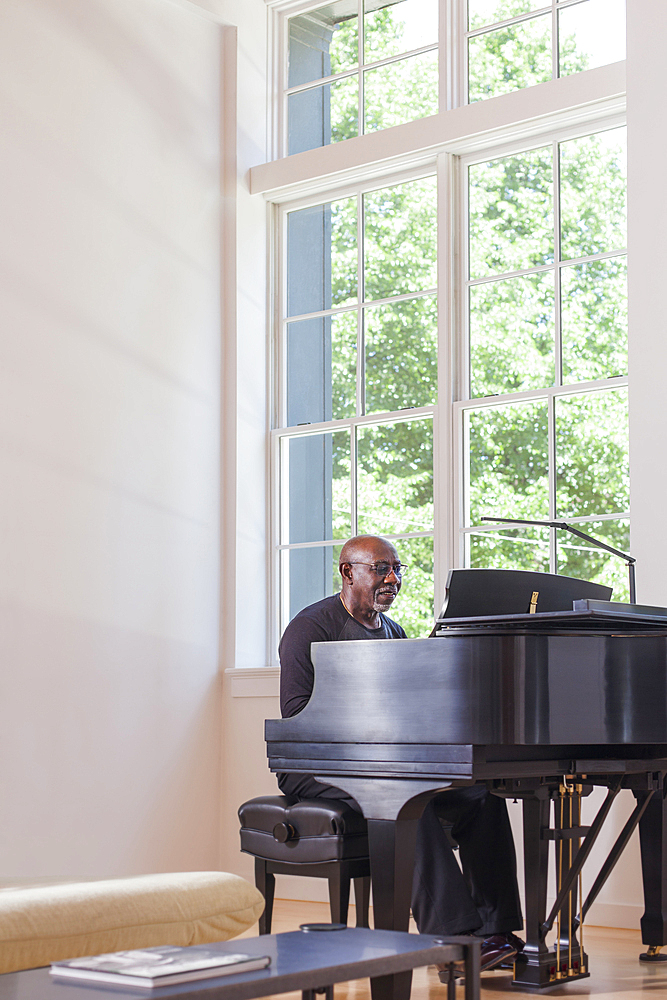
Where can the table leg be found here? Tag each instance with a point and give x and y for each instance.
(472, 961)
(451, 982)
(362, 899)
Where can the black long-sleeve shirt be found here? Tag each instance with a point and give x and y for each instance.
(326, 621)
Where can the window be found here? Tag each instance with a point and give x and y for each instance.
(356, 66)
(511, 44)
(492, 271)
(547, 352)
(359, 349)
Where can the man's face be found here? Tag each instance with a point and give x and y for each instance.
(370, 590)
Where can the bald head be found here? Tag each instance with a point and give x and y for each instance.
(368, 548)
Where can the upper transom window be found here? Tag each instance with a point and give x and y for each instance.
(356, 66)
(513, 44)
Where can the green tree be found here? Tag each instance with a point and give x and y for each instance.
(396, 93)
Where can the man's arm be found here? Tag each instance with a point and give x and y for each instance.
(297, 674)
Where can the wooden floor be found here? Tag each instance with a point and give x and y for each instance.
(616, 973)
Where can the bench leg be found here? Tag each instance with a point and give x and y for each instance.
(266, 883)
(362, 898)
(339, 894)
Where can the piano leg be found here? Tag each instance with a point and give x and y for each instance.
(392, 850)
(392, 808)
(531, 967)
(653, 843)
(539, 966)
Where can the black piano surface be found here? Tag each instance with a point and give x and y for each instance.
(521, 705)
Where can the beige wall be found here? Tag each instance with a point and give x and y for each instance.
(109, 436)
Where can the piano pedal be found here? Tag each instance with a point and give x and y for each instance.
(545, 972)
(652, 954)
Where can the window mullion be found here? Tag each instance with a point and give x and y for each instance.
(444, 543)
(353, 480)
(554, 41)
(463, 75)
(551, 446)
(361, 395)
(281, 240)
(558, 330)
(361, 43)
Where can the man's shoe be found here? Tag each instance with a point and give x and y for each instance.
(498, 949)
(520, 945)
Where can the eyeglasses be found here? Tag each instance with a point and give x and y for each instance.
(383, 569)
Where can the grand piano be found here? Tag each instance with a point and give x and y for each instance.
(541, 707)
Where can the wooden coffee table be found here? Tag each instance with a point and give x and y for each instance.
(311, 961)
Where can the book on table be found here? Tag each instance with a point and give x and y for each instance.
(166, 965)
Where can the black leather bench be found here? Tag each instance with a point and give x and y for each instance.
(322, 838)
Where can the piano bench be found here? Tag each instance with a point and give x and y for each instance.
(321, 838)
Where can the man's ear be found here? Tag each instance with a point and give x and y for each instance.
(346, 572)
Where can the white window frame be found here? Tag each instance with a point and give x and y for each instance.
(474, 136)
(280, 429)
(286, 9)
(463, 402)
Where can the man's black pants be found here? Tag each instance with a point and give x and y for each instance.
(484, 897)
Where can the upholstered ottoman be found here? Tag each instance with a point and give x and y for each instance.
(40, 924)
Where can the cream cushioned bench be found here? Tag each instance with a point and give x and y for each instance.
(40, 924)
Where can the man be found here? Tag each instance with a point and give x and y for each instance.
(482, 900)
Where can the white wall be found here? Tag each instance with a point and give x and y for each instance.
(647, 266)
(109, 437)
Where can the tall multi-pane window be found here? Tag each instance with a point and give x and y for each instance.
(532, 339)
(544, 428)
(359, 377)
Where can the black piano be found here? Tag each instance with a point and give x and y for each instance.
(541, 707)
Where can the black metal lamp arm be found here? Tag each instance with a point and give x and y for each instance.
(630, 560)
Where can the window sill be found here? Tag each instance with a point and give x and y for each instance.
(253, 682)
(524, 113)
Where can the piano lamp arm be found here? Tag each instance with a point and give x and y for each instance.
(630, 560)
